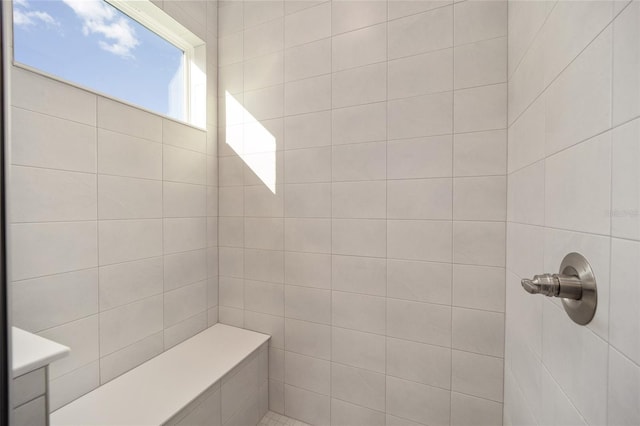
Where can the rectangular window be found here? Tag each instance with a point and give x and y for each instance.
(128, 50)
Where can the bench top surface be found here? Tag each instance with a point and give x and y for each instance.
(153, 392)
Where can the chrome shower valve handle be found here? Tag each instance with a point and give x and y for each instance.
(575, 284)
(554, 285)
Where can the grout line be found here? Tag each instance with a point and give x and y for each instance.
(75, 86)
(575, 144)
(162, 199)
(611, 220)
(331, 242)
(284, 206)
(453, 188)
(100, 378)
(506, 217)
(350, 68)
(386, 227)
(404, 339)
(533, 40)
(244, 172)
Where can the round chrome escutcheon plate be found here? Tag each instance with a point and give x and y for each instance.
(581, 311)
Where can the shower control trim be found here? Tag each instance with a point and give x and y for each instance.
(575, 285)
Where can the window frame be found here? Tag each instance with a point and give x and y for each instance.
(166, 27)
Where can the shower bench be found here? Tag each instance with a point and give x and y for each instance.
(217, 377)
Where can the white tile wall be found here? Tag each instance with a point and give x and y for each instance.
(113, 222)
(384, 140)
(572, 108)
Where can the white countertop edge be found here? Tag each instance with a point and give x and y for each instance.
(30, 351)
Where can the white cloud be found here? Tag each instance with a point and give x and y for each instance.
(28, 18)
(100, 18)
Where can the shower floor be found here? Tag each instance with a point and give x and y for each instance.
(275, 419)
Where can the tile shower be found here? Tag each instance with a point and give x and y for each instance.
(374, 180)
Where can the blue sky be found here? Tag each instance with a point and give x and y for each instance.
(91, 43)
